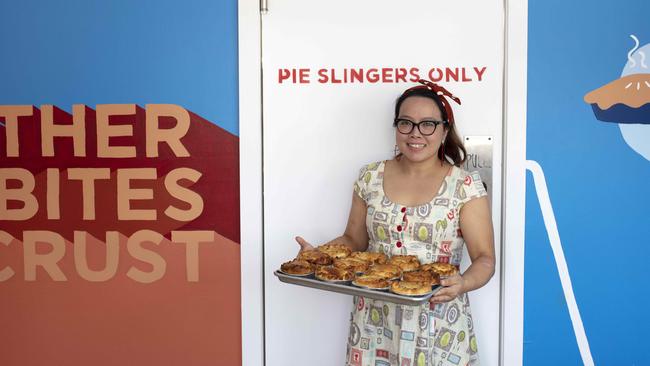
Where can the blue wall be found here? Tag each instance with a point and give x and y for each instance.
(598, 187)
(122, 51)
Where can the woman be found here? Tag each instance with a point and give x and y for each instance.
(420, 203)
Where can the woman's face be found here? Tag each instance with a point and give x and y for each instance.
(414, 146)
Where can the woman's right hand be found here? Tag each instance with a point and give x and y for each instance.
(304, 245)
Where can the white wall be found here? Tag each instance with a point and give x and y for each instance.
(250, 175)
(316, 137)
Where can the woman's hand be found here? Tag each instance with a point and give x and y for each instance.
(304, 245)
(453, 286)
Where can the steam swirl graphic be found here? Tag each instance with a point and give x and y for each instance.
(631, 52)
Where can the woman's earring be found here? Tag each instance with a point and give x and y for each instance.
(396, 151)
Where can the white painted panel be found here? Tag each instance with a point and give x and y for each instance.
(317, 136)
(250, 182)
(515, 185)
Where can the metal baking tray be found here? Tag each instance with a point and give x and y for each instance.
(309, 281)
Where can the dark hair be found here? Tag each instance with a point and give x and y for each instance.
(453, 149)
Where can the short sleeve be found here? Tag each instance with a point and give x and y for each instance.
(473, 187)
(363, 183)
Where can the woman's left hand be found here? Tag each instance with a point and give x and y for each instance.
(453, 287)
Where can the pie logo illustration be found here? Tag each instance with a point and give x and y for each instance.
(626, 100)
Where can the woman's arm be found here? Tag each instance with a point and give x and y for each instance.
(355, 235)
(476, 227)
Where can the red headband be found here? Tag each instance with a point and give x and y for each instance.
(441, 92)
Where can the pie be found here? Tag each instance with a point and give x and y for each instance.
(330, 273)
(411, 288)
(624, 100)
(354, 264)
(315, 257)
(405, 262)
(405, 258)
(335, 250)
(372, 257)
(387, 271)
(425, 276)
(442, 269)
(297, 267)
(406, 266)
(372, 282)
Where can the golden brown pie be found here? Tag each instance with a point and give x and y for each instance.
(410, 288)
(335, 250)
(371, 281)
(388, 271)
(330, 273)
(405, 258)
(354, 264)
(420, 275)
(406, 266)
(372, 257)
(315, 257)
(297, 267)
(405, 262)
(442, 269)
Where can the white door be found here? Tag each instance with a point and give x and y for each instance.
(331, 73)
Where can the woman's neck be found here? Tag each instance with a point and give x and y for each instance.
(424, 168)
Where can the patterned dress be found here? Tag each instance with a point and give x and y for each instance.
(383, 333)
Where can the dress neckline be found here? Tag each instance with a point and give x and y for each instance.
(380, 175)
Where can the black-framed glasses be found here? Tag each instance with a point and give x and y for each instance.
(426, 128)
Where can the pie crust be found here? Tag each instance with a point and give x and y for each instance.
(632, 90)
(372, 257)
(405, 262)
(410, 288)
(335, 250)
(371, 281)
(388, 271)
(442, 269)
(354, 264)
(297, 267)
(330, 273)
(405, 258)
(315, 257)
(424, 276)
